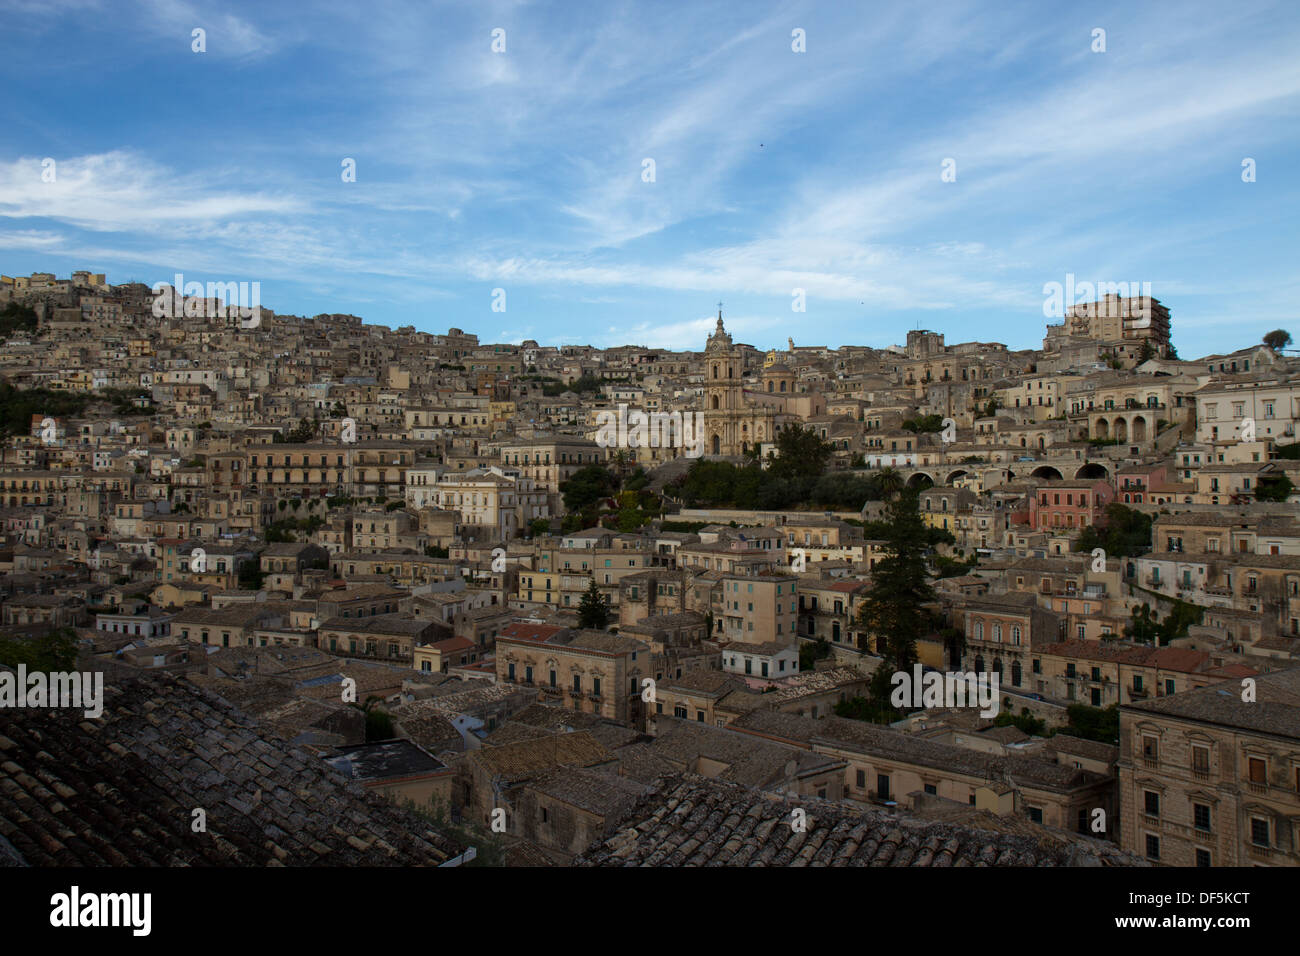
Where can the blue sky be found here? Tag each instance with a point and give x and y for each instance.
(774, 170)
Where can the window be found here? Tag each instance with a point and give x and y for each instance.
(1201, 816)
(1259, 831)
(1151, 749)
(1151, 803)
(1200, 759)
(1035, 814)
(1153, 847)
(1258, 770)
(1202, 857)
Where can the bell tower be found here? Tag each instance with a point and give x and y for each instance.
(722, 392)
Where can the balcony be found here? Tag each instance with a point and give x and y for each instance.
(1201, 774)
(1151, 763)
(1254, 851)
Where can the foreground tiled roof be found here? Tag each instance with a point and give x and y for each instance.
(692, 821)
(121, 790)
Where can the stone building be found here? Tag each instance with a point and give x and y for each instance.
(1207, 778)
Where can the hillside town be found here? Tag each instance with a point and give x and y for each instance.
(359, 593)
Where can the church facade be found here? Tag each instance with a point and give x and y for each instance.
(733, 425)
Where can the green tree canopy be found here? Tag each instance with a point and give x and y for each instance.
(1278, 339)
(587, 486)
(801, 452)
(892, 610)
(593, 610)
(1126, 533)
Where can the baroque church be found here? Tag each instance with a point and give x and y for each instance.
(733, 424)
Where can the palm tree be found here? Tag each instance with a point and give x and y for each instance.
(890, 481)
(622, 461)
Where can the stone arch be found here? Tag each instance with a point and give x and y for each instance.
(1139, 428)
(1092, 469)
(1103, 428)
(717, 445)
(1048, 472)
(1121, 430)
(953, 476)
(920, 481)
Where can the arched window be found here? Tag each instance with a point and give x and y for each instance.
(997, 633)
(979, 630)
(1015, 674)
(1015, 634)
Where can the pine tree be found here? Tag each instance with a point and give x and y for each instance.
(593, 611)
(892, 611)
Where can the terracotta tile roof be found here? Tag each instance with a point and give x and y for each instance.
(692, 821)
(527, 758)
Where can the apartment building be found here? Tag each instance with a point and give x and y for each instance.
(760, 608)
(1001, 633)
(1271, 401)
(586, 671)
(549, 462)
(493, 504)
(1071, 504)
